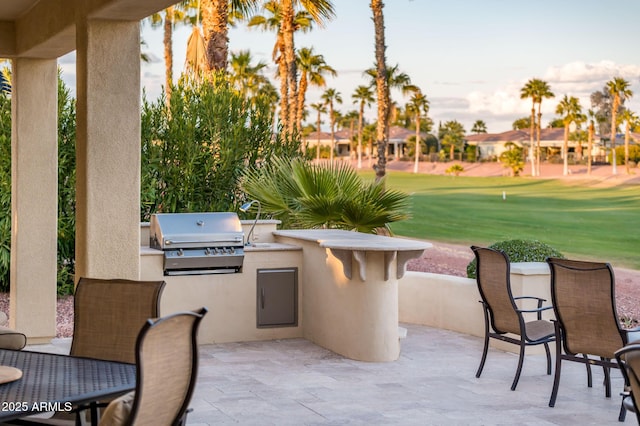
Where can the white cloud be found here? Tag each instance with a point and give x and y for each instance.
(577, 79)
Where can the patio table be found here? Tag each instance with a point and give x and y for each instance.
(52, 382)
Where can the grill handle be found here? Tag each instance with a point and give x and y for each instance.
(169, 242)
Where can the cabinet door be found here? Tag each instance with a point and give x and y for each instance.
(277, 297)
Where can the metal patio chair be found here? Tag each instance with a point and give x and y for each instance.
(502, 315)
(587, 328)
(167, 361)
(629, 359)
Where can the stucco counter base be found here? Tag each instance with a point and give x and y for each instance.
(352, 314)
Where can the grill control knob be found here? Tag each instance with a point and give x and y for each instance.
(180, 252)
(207, 251)
(232, 250)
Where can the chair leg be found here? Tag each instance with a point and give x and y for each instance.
(546, 349)
(486, 342)
(589, 375)
(556, 378)
(520, 362)
(484, 355)
(623, 413)
(607, 379)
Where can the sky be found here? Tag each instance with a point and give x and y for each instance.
(470, 57)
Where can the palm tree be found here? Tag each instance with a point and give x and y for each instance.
(364, 97)
(570, 110)
(479, 127)
(416, 106)
(537, 90)
(591, 130)
(272, 22)
(382, 88)
(631, 120)
(329, 97)
(320, 109)
(245, 76)
(619, 89)
(305, 195)
(172, 15)
(215, 25)
(320, 10)
(312, 70)
(453, 136)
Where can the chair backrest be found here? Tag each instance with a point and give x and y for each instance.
(167, 361)
(109, 314)
(493, 278)
(585, 305)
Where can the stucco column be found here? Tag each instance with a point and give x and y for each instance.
(34, 197)
(108, 149)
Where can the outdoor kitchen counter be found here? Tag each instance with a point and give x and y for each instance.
(350, 289)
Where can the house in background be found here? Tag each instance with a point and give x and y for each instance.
(491, 145)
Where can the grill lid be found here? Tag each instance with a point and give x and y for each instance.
(195, 230)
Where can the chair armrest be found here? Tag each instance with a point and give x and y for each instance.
(540, 299)
(544, 308)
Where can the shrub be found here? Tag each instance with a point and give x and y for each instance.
(520, 251)
(456, 169)
(304, 195)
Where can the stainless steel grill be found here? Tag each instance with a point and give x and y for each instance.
(198, 243)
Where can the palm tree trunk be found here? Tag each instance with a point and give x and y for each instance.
(565, 151)
(589, 146)
(382, 88)
(626, 147)
(333, 122)
(290, 61)
(360, 115)
(532, 139)
(302, 91)
(284, 88)
(318, 146)
(214, 23)
(417, 149)
(538, 140)
(614, 113)
(168, 52)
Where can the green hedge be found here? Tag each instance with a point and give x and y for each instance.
(520, 251)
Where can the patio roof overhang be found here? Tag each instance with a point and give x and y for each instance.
(106, 36)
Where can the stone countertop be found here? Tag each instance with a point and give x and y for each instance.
(348, 240)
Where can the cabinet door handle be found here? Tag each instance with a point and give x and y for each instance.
(262, 297)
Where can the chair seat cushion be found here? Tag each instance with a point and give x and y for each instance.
(118, 410)
(11, 339)
(539, 329)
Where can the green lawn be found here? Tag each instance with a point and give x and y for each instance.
(581, 221)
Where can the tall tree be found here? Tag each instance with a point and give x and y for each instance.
(313, 68)
(631, 120)
(452, 136)
(479, 127)
(245, 76)
(320, 109)
(591, 130)
(287, 18)
(331, 96)
(619, 90)
(364, 97)
(571, 112)
(528, 92)
(272, 21)
(382, 88)
(215, 25)
(418, 104)
(172, 15)
(537, 90)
